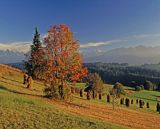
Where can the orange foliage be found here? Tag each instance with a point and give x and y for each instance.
(64, 59)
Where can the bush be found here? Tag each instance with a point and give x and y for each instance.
(148, 85)
(119, 88)
(53, 92)
(138, 88)
(142, 87)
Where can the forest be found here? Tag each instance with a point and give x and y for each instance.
(128, 75)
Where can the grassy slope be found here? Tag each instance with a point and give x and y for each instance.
(18, 111)
(19, 108)
(147, 96)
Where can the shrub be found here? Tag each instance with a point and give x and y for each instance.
(51, 92)
(138, 88)
(148, 85)
(142, 87)
(119, 89)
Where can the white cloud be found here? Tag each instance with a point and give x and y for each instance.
(97, 44)
(16, 46)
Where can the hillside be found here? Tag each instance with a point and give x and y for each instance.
(23, 108)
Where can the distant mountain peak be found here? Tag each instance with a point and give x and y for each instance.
(132, 55)
(23, 47)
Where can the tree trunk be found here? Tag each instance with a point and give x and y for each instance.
(93, 94)
(113, 102)
(61, 91)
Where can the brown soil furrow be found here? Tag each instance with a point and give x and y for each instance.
(122, 116)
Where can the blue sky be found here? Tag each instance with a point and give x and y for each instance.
(111, 23)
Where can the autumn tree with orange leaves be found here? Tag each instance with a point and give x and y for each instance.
(64, 62)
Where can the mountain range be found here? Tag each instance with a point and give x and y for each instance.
(13, 53)
(133, 55)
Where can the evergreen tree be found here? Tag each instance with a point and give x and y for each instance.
(35, 63)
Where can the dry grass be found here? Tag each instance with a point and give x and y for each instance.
(96, 110)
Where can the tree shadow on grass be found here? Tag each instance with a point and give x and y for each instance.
(17, 92)
(9, 83)
(79, 97)
(12, 80)
(156, 95)
(76, 105)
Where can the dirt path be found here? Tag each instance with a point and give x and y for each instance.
(122, 116)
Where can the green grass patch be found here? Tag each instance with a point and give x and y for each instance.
(18, 111)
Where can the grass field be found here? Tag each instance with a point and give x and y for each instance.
(17, 111)
(20, 108)
(24, 108)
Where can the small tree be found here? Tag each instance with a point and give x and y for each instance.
(116, 92)
(138, 88)
(148, 85)
(120, 89)
(95, 84)
(35, 64)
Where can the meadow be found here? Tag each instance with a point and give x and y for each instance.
(27, 108)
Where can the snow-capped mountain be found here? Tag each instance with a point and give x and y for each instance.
(133, 55)
(14, 52)
(23, 47)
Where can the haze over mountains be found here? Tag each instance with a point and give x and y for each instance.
(133, 55)
(13, 53)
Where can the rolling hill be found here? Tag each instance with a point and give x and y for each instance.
(24, 108)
